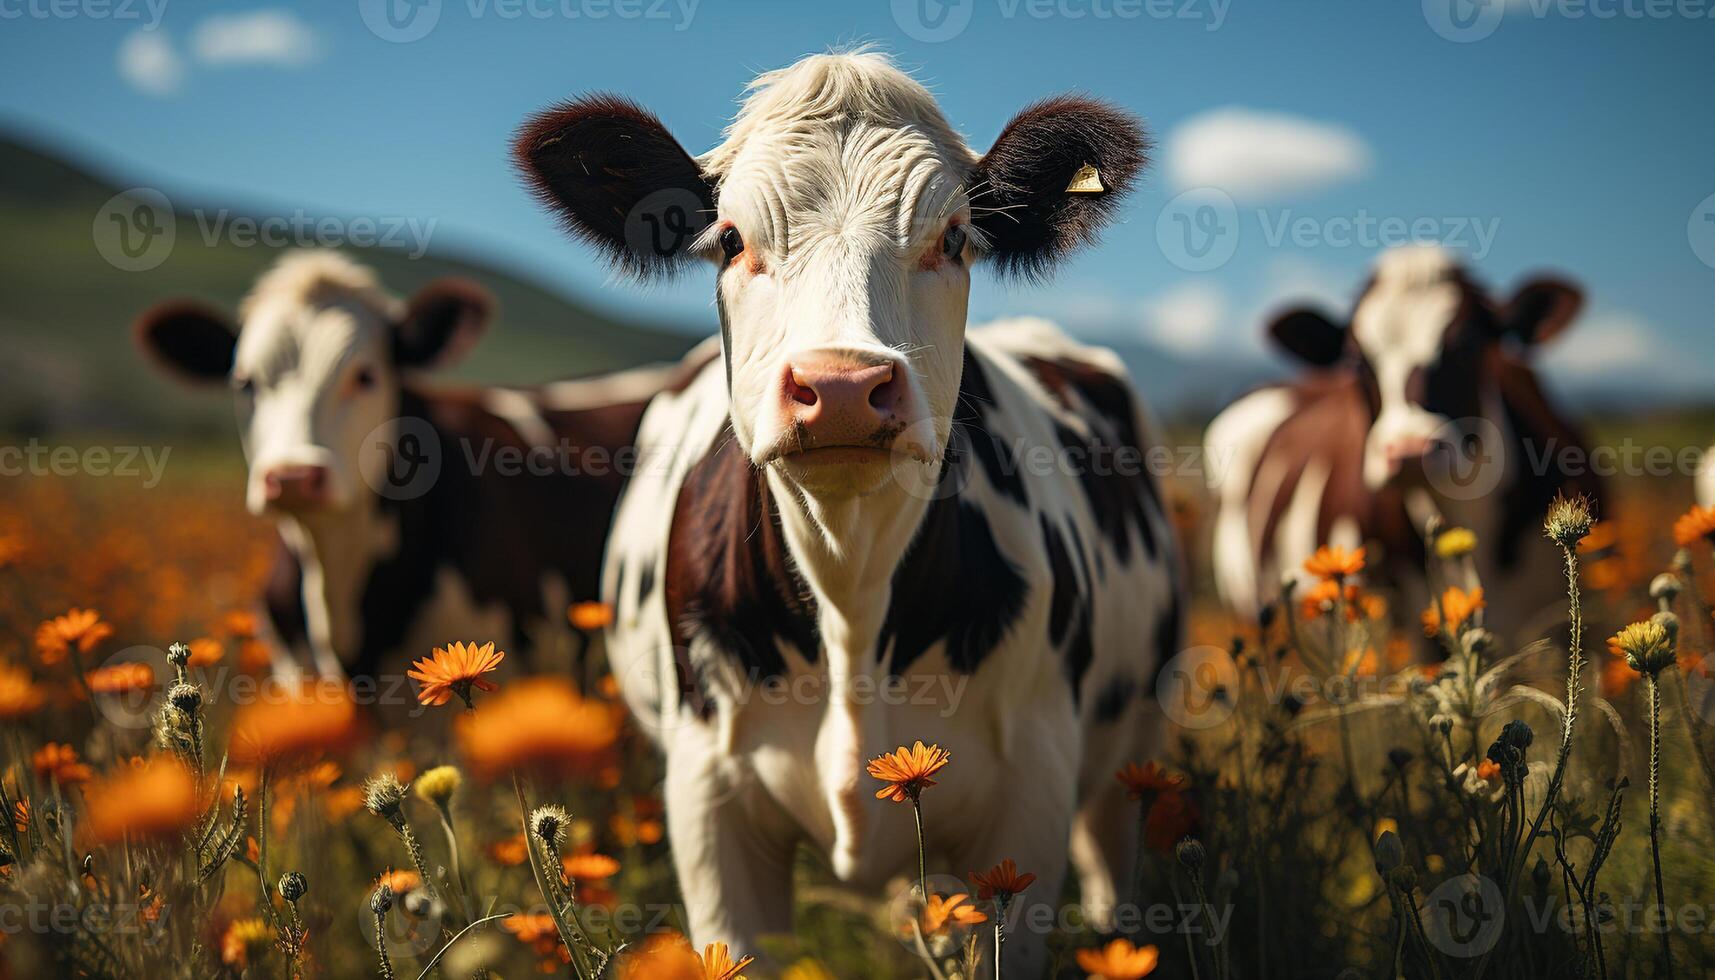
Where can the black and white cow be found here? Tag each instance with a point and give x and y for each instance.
(1424, 405)
(409, 517)
(866, 525)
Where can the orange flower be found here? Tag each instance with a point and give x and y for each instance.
(455, 669)
(21, 816)
(1002, 880)
(1459, 606)
(60, 763)
(293, 724)
(539, 932)
(1489, 770)
(1697, 524)
(1119, 960)
(511, 851)
(205, 652)
(1148, 779)
(78, 628)
(11, 549)
(121, 678)
(906, 771)
(943, 911)
(19, 696)
(669, 956)
(540, 723)
(155, 800)
(1172, 817)
(240, 624)
(1617, 676)
(243, 939)
(642, 826)
(1335, 564)
(718, 963)
(589, 867)
(400, 882)
(1327, 592)
(588, 617)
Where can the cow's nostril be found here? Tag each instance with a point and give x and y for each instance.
(883, 395)
(800, 392)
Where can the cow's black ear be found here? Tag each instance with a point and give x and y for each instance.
(1309, 336)
(187, 340)
(1541, 309)
(1053, 179)
(442, 322)
(617, 180)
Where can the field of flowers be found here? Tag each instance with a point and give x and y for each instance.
(1343, 800)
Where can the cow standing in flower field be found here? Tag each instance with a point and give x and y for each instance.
(402, 527)
(866, 526)
(1424, 406)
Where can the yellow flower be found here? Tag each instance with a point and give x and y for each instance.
(1647, 646)
(1455, 542)
(906, 771)
(438, 785)
(1119, 960)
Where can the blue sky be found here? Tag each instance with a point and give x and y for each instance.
(1546, 137)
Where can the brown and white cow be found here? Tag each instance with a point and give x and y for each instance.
(866, 526)
(1425, 404)
(409, 517)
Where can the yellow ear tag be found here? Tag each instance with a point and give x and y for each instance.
(1088, 180)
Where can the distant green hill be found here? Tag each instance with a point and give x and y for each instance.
(66, 360)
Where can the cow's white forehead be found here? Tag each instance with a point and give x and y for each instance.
(845, 145)
(309, 313)
(1404, 316)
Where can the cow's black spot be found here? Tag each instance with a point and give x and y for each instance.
(729, 576)
(646, 580)
(997, 458)
(1113, 698)
(1064, 598)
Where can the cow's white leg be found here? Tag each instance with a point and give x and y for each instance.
(732, 846)
(1031, 828)
(1104, 849)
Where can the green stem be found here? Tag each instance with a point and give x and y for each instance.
(922, 860)
(1655, 817)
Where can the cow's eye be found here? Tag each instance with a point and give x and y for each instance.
(732, 242)
(953, 242)
(364, 379)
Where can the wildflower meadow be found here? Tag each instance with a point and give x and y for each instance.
(1342, 782)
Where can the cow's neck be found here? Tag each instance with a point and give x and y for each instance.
(847, 549)
(337, 552)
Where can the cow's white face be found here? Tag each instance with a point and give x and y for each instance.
(842, 293)
(311, 380)
(843, 215)
(1426, 341)
(316, 370)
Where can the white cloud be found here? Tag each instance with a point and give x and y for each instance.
(1609, 342)
(1191, 319)
(148, 61)
(1254, 154)
(264, 37)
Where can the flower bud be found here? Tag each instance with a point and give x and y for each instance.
(293, 885)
